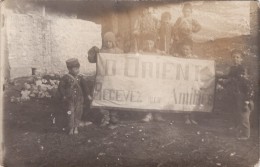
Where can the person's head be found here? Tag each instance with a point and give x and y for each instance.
(186, 49)
(73, 66)
(166, 17)
(187, 9)
(109, 40)
(237, 57)
(148, 45)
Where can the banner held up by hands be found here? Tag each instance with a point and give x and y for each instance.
(153, 82)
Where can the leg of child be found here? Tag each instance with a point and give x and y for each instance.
(233, 107)
(105, 120)
(148, 117)
(245, 123)
(113, 117)
(78, 114)
(71, 115)
(158, 117)
(192, 118)
(187, 119)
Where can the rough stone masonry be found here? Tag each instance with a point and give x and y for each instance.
(45, 44)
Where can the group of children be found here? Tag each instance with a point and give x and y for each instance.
(73, 87)
(166, 37)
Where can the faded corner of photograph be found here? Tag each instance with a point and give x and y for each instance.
(129, 83)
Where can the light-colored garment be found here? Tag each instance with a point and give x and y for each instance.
(184, 28)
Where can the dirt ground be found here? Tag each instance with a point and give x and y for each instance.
(33, 140)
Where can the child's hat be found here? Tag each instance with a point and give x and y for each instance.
(73, 62)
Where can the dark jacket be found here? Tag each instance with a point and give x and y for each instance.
(73, 88)
(239, 83)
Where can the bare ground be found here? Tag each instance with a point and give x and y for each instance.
(32, 140)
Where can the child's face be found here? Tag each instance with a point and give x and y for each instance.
(186, 50)
(237, 59)
(166, 20)
(109, 44)
(74, 70)
(149, 45)
(186, 12)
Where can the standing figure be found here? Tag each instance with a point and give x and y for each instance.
(143, 26)
(73, 89)
(185, 26)
(241, 91)
(165, 33)
(149, 47)
(186, 51)
(109, 46)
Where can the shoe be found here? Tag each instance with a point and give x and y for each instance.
(104, 123)
(158, 117)
(194, 122)
(114, 120)
(105, 120)
(148, 118)
(88, 123)
(83, 124)
(71, 132)
(76, 131)
(112, 126)
(187, 122)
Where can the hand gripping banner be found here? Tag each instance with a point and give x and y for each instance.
(155, 83)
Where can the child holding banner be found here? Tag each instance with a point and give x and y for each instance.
(149, 47)
(72, 89)
(109, 46)
(186, 51)
(241, 91)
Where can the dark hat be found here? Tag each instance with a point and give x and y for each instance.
(73, 62)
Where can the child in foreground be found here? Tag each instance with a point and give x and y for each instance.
(72, 89)
(241, 92)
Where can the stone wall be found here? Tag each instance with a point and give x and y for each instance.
(46, 43)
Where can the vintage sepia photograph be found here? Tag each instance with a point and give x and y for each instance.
(129, 83)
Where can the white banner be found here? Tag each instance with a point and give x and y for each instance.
(153, 82)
